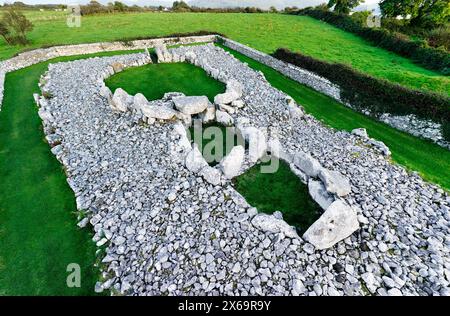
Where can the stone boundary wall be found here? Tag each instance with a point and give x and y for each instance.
(43, 54)
(298, 74)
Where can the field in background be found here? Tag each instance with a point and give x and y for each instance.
(265, 32)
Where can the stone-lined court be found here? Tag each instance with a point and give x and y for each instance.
(170, 231)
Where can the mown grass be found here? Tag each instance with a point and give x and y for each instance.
(153, 80)
(279, 191)
(38, 232)
(429, 159)
(265, 32)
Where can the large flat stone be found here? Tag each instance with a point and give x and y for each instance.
(257, 142)
(310, 166)
(335, 182)
(120, 100)
(338, 222)
(161, 112)
(319, 194)
(271, 224)
(191, 105)
(231, 163)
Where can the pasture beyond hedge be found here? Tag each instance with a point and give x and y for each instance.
(265, 32)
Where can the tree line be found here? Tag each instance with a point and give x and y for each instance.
(417, 13)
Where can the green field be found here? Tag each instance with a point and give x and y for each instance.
(265, 32)
(38, 232)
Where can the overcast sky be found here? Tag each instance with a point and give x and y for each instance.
(211, 3)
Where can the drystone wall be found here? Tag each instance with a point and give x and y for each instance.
(43, 54)
(298, 74)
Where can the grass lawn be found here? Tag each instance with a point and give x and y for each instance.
(429, 159)
(38, 232)
(154, 80)
(283, 191)
(265, 32)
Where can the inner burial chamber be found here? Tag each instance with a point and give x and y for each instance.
(280, 190)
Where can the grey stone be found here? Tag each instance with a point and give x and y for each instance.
(268, 223)
(194, 160)
(335, 182)
(361, 132)
(120, 100)
(338, 222)
(191, 105)
(307, 164)
(319, 194)
(231, 163)
(224, 118)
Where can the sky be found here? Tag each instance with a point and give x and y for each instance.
(211, 3)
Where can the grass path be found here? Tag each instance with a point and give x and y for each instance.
(429, 159)
(265, 32)
(38, 232)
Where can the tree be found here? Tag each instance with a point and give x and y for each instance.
(4, 32)
(15, 26)
(343, 6)
(290, 9)
(180, 6)
(272, 9)
(424, 13)
(119, 6)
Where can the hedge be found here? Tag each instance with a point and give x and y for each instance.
(365, 92)
(420, 53)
